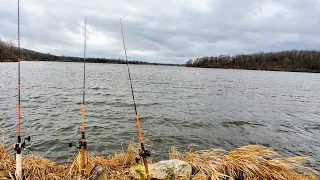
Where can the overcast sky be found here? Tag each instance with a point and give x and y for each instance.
(168, 31)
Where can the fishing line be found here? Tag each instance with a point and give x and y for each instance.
(144, 154)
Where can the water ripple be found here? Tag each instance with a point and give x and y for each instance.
(213, 108)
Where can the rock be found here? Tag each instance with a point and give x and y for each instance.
(96, 173)
(164, 170)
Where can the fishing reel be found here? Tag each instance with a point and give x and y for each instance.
(142, 155)
(19, 146)
(80, 144)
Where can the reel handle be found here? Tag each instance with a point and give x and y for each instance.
(70, 145)
(27, 138)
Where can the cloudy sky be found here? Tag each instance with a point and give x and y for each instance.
(168, 31)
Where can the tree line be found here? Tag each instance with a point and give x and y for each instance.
(9, 53)
(293, 60)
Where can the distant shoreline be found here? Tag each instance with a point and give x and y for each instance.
(275, 70)
(9, 53)
(287, 61)
(181, 65)
(130, 62)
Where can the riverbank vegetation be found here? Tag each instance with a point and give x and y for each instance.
(294, 60)
(9, 53)
(247, 163)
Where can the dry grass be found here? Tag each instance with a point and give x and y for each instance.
(37, 168)
(249, 163)
(34, 167)
(204, 162)
(6, 161)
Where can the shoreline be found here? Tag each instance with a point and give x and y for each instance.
(272, 70)
(249, 162)
(181, 65)
(155, 64)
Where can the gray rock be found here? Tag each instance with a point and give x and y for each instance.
(97, 173)
(164, 170)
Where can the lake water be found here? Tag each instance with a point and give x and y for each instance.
(213, 108)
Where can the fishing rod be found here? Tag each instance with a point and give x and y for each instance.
(82, 146)
(19, 145)
(144, 154)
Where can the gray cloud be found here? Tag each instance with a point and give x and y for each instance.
(163, 31)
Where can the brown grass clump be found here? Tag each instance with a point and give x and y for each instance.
(245, 162)
(204, 162)
(34, 167)
(248, 163)
(116, 167)
(6, 161)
